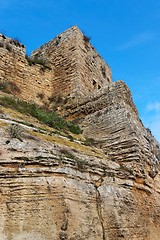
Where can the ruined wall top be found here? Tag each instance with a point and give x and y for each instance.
(74, 67)
(12, 45)
(76, 62)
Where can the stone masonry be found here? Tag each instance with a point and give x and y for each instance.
(102, 184)
(75, 68)
(79, 69)
(30, 81)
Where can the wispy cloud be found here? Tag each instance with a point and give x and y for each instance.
(154, 107)
(138, 40)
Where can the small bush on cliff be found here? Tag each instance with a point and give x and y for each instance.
(4, 87)
(51, 119)
(80, 163)
(67, 153)
(90, 142)
(86, 38)
(36, 60)
(15, 131)
(9, 87)
(40, 96)
(16, 42)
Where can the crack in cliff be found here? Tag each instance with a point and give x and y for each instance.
(99, 211)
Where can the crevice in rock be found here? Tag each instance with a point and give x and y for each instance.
(99, 211)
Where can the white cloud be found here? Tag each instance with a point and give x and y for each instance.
(137, 40)
(154, 106)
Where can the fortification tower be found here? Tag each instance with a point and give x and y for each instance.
(78, 68)
(75, 68)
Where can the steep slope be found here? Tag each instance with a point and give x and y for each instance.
(102, 185)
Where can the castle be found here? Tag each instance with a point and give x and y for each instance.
(101, 184)
(75, 69)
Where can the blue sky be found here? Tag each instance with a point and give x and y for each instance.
(125, 32)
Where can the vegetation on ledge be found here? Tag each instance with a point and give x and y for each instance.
(36, 60)
(51, 119)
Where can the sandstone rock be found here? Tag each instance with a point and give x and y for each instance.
(103, 185)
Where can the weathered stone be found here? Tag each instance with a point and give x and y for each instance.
(103, 185)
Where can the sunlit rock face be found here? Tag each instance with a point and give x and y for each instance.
(102, 184)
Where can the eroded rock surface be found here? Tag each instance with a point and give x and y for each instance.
(54, 188)
(101, 185)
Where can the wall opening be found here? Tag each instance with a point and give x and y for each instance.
(94, 82)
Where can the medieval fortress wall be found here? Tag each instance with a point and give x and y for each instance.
(79, 69)
(29, 81)
(75, 67)
(112, 185)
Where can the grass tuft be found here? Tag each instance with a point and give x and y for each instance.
(52, 119)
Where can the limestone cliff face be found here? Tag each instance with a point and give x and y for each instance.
(102, 184)
(54, 188)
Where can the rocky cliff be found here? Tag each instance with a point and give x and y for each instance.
(100, 184)
(103, 184)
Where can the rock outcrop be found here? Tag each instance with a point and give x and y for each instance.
(102, 184)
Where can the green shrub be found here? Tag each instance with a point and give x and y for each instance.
(74, 128)
(67, 153)
(37, 60)
(89, 142)
(80, 163)
(15, 131)
(9, 87)
(4, 87)
(51, 119)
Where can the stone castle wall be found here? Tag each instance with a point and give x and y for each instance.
(12, 45)
(76, 69)
(30, 82)
(94, 73)
(62, 54)
(102, 186)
